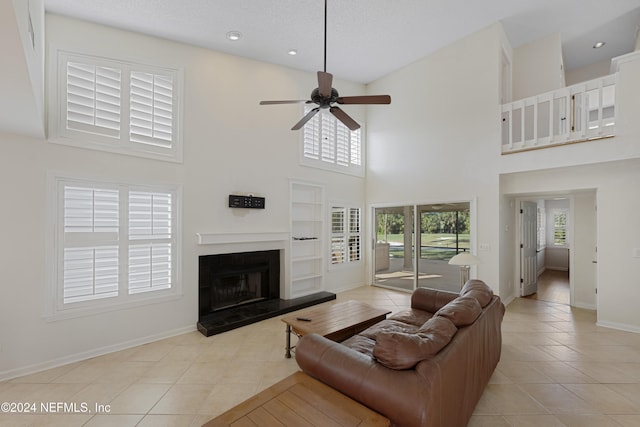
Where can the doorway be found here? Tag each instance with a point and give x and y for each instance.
(566, 248)
(405, 259)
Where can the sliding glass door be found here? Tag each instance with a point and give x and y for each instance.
(394, 249)
(404, 259)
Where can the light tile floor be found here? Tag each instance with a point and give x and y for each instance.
(557, 369)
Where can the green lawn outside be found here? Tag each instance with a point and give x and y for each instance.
(434, 246)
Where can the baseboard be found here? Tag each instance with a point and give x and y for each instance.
(585, 306)
(619, 326)
(346, 288)
(38, 367)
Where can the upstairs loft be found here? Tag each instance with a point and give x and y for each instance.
(582, 112)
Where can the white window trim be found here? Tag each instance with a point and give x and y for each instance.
(354, 170)
(54, 309)
(347, 263)
(566, 228)
(57, 129)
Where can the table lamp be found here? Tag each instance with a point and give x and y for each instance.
(465, 260)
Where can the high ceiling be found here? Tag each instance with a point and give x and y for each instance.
(366, 38)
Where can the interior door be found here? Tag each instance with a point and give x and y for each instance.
(528, 248)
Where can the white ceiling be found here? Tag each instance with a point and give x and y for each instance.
(366, 38)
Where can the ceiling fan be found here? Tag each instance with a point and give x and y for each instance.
(325, 95)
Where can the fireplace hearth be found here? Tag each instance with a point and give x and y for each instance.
(237, 289)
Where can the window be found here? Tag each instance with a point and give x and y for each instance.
(345, 235)
(560, 228)
(329, 144)
(115, 243)
(117, 106)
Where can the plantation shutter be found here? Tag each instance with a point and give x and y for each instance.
(560, 228)
(311, 136)
(354, 234)
(338, 242)
(328, 137)
(343, 142)
(356, 148)
(93, 95)
(150, 235)
(90, 256)
(151, 109)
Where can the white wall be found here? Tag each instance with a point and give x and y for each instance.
(590, 72)
(231, 144)
(538, 67)
(432, 144)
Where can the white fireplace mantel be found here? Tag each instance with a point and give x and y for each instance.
(231, 238)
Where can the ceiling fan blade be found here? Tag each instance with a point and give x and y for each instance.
(367, 99)
(306, 118)
(291, 101)
(344, 118)
(325, 80)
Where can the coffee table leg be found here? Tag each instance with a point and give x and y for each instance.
(288, 349)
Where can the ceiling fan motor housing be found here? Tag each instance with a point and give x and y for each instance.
(324, 102)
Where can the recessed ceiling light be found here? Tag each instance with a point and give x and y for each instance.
(234, 35)
(292, 52)
(598, 44)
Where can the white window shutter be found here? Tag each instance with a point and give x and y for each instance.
(151, 109)
(328, 137)
(338, 250)
(149, 215)
(90, 210)
(93, 95)
(150, 230)
(90, 256)
(90, 273)
(356, 147)
(343, 140)
(328, 143)
(149, 267)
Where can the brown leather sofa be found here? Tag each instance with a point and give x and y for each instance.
(425, 366)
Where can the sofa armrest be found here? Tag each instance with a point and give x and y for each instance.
(431, 300)
(401, 395)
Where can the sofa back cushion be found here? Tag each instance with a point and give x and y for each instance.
(398, 350)
(479, 290)
(462, 311)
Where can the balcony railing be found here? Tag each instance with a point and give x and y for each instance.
(577, 113)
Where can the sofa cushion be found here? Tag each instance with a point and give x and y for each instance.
(479, 290)
(412, 316)
(398, 350)
(360, 344)
(462, 311)
(388, 325)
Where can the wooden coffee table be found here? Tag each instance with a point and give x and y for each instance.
(336, 322)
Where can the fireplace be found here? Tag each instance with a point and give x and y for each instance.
(231, 280)
(242, 283)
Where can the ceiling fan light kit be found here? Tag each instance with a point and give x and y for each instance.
(324, 96)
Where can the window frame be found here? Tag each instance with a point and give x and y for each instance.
(318, 121)
(59, 132)
(55, 307)
(346, 235)
(554, 213)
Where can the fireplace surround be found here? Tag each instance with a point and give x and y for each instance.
(230, 280)
(241, 300)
